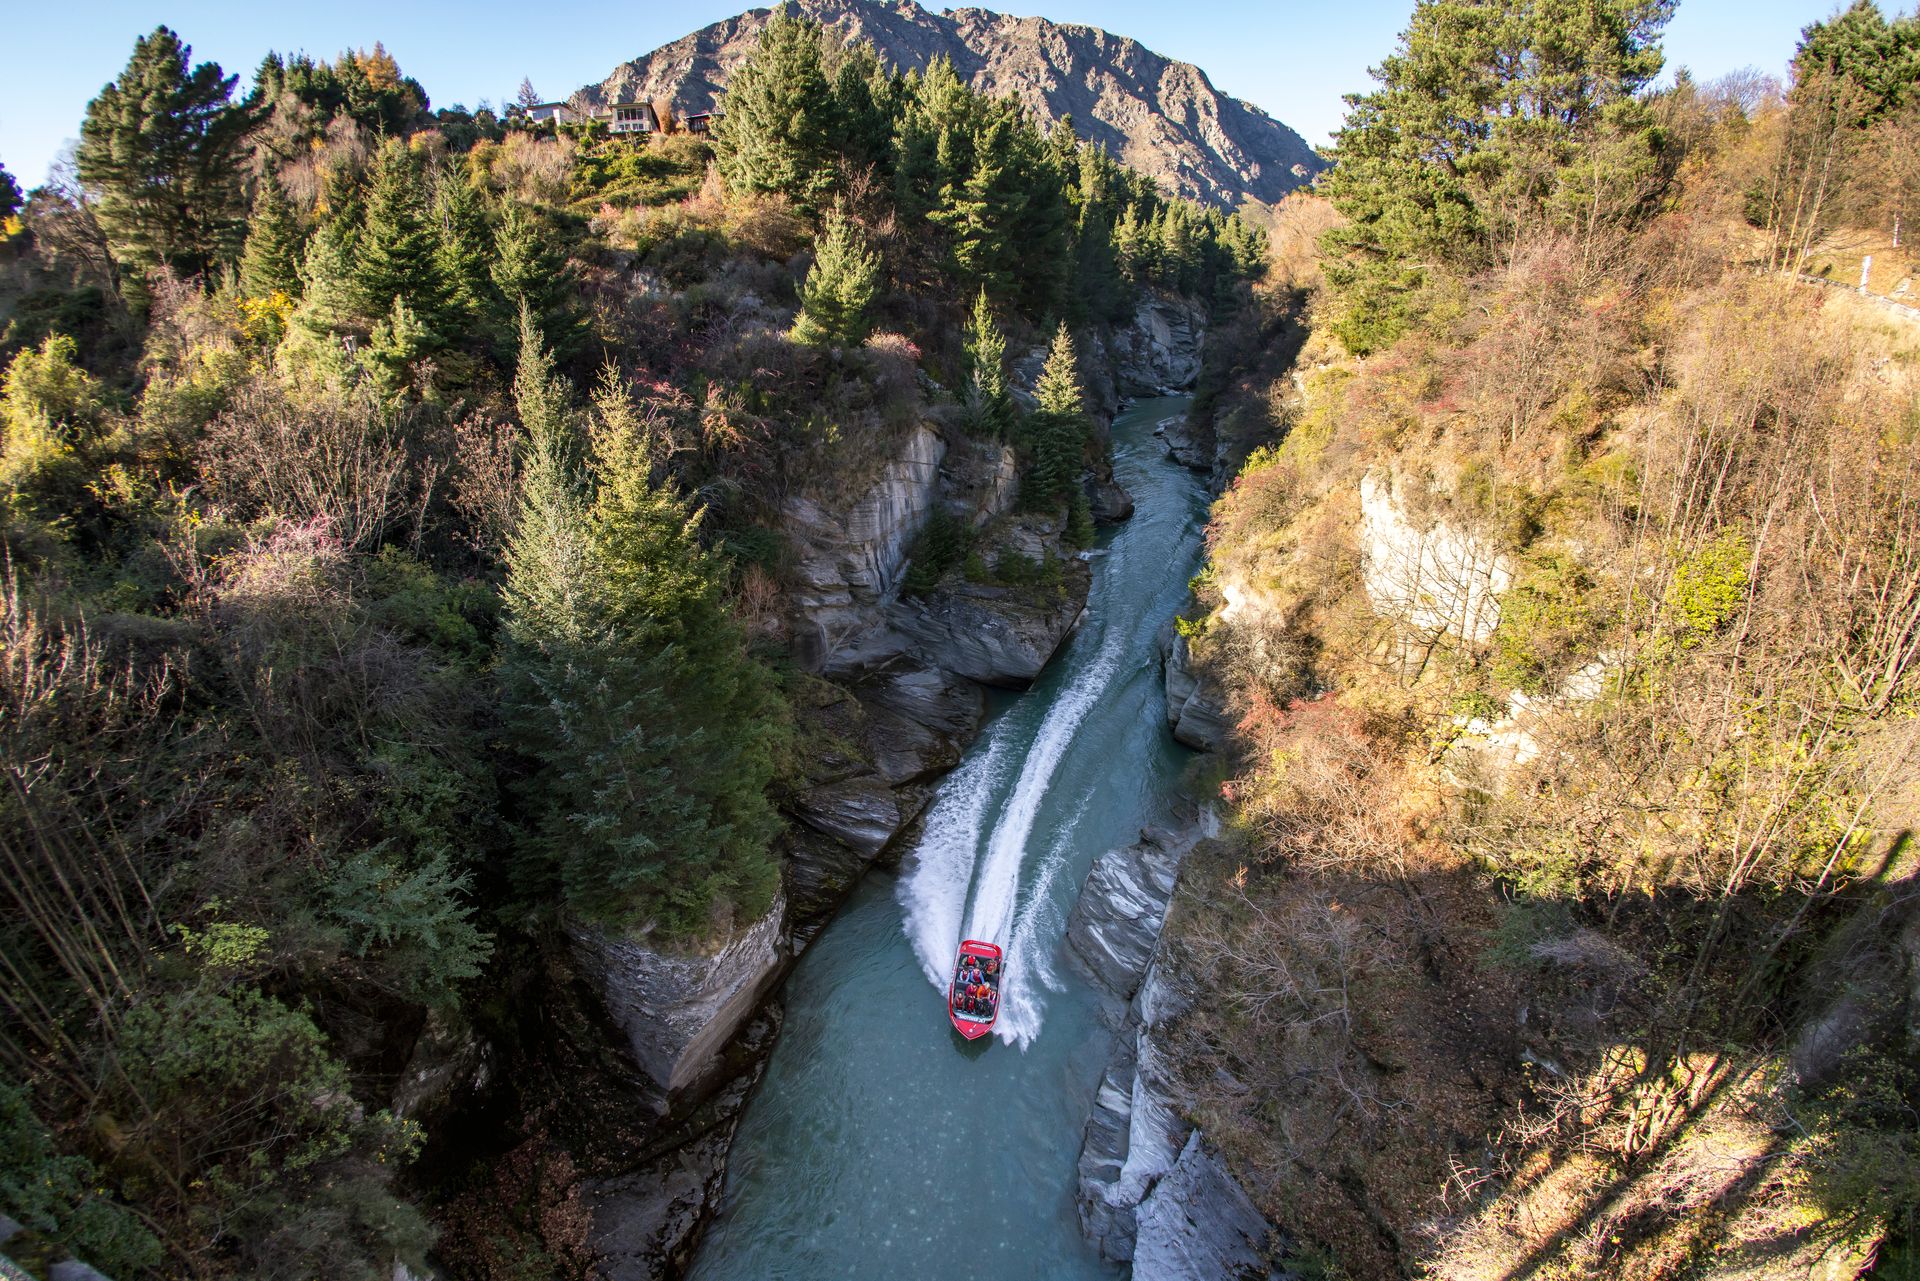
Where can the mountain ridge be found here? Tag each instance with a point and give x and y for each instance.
(1156, 114)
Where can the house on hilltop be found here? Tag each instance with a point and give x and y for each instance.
(633, 117)
(557, 112)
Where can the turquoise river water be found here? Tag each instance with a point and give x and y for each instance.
(880, 1145)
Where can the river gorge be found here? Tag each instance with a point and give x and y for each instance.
(877, 1145)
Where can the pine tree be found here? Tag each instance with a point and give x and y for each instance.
(271, 261)
(1485, 113)
(865, 102)
(933, 144)
(629, 684)
(397, 345)
(1878, 59)
(331, 299)
(776, 133)
(528, 274)
(160, 147)
(694, 811)
(10, 197)
(397, 250)
(462, 244)
(980, 213)
(988, 399)
(838, 289)
(1057, 430)
(1041, 226)
(1133, 246)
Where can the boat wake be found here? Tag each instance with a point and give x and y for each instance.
(949, 859)
(1037, 922)
(933, 893)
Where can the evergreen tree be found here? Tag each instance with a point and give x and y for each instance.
(866, 99)
(980, 213)
(1133, 246)
(1057, 430)
(270, 262)
(1476, 127)
(1180, 252)
(160, 148)
(1878, 59)
(10, 197)
(1042, 220)
(988, 399)
(331, 299)
(933, 143)
(462, 244)
(838, 289)
(398, 255)
(629, 684)
(396, 347)
(776, 134)
(529, 274)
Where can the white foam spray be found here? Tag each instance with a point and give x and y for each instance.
(1037, 922)
(933, 891)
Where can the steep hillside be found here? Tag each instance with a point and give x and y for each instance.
(1157, 115)
(1558, 646)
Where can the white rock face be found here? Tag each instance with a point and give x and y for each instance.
(1115, 922)
(679, 1011)
(1133, 1135)
(1436, 582)
(1198, 1223)
(848, 564)
(1513, 739)
(1196, 709)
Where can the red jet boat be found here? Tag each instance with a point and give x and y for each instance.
(973, 998)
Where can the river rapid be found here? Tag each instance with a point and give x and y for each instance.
(879, 1145)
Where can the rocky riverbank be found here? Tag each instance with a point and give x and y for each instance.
(1152, 1191)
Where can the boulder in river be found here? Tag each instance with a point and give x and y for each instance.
(919, 719)
(994, 635)
(864, 812)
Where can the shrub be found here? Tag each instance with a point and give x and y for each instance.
(1710, 586)
(942, 544)
(1545, 624)
(59, 1195)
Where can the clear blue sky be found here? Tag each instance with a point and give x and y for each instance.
(1292, 57)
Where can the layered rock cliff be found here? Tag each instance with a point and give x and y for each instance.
(1152, 1191)
(1159, 116)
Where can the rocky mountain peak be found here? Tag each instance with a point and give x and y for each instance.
(1158, 115)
